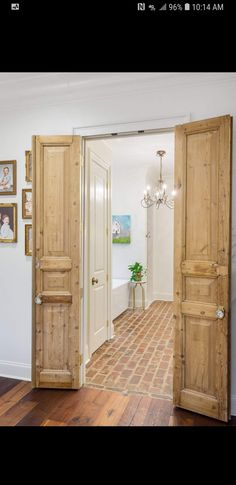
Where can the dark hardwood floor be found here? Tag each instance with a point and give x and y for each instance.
(20, 405)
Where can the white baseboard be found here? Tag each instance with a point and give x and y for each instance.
(15, 370)
(163, 296)
(233, 405)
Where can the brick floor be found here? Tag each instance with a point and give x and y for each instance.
(139, 358)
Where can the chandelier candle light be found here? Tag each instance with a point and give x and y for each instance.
(160, 196)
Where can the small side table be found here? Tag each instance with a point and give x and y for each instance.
(141, 284)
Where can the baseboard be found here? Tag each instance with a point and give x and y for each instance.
(233, 405)
(15, 370)
(163, 296)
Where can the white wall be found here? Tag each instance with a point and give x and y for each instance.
(163, 252)
(160, 226)
(128, 183)
(202, 100)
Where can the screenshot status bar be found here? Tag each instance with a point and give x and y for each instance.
(180, 7)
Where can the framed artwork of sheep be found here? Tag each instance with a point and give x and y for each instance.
(121, 229)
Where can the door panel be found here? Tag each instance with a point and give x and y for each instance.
(56, 261)
(202, 266)
(99, 240)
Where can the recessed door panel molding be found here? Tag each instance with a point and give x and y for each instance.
(202, 266)
(56, 261)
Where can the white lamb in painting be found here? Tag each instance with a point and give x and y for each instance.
(115, 228)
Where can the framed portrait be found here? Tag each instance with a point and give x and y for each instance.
(26, 203)
(28, 166)
(8, 223)
(28, 239)
(8, 177)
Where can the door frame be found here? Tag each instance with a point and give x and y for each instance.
(138, 128)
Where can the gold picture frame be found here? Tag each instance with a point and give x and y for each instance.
(28, 166)
(8, 223)
(28, 239)
(8, 177)
(26, 203)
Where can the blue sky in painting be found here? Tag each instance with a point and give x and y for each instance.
(124, 222)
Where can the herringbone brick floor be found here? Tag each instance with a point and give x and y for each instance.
(139, 358)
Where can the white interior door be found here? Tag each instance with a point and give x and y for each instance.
(99, 311)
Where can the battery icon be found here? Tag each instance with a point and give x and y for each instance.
(187, 6)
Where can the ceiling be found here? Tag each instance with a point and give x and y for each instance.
(47, 88)
(141, 150)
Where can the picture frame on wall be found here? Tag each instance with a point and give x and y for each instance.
(28, 166)
(28, 239)
(8, 223)
(121, 229)
(8, 177)
(26, 203)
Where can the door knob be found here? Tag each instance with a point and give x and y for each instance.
(220, 312)
(94, 280)
(38, 299)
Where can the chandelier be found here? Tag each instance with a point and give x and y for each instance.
(159, 197)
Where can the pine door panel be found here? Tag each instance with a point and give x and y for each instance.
(202, 266)
(56, 258)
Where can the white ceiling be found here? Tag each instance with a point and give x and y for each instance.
(141, 149)
(31, 89)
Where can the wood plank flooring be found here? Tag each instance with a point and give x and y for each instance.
(22, 406)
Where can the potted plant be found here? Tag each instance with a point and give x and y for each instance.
(137, 271)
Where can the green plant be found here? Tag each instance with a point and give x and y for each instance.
(137, 271)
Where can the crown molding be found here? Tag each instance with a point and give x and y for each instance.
(55, 89)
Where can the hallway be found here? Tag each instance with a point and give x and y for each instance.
(139, 359)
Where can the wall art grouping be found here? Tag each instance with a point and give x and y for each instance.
(8, 211)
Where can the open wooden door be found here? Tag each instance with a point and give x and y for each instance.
(56, 261)
(202, 267)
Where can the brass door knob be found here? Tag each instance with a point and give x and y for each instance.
(94, 280)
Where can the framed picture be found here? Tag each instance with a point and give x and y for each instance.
(8, 177)
(28, 166)
(28, 239)
(26, 203)
(121, 229)
(8, 223)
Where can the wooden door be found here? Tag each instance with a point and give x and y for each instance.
(202, 267)
(56, 261)
(99, 241)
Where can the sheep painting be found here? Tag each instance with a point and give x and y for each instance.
(121, 229)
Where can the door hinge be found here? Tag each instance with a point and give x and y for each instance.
(80, 359)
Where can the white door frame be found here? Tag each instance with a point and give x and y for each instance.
(142, 128)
